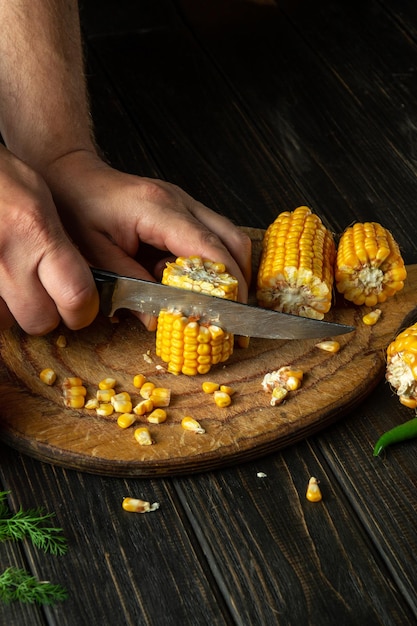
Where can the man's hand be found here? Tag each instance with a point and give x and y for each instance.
(43, 278)
(120, 221)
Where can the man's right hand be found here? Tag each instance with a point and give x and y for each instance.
(43, 277)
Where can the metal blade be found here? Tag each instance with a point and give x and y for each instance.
(234, 317)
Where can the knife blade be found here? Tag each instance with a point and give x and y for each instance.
(122, 292)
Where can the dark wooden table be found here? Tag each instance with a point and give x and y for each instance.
(254, 108)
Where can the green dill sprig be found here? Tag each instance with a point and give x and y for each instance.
(17, 584)
(33, 524)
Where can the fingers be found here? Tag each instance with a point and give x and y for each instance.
(43, 278)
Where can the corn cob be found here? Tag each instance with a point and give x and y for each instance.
(401, 370)
(296, 268)
(186, 345)
(369, 266)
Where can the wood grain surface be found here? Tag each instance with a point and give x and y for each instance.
(34, 420)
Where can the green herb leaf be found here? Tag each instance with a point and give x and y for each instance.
(17, 584)
(32, 524)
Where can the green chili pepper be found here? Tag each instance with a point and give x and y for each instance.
(405, 431)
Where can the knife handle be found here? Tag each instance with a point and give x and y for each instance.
(105, 283)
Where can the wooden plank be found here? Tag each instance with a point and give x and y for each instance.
(283, 559)
(145, 569)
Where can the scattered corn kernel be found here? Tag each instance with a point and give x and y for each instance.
(121, 402)
(107, 383)
(189, 423)
(77, 390)
(146, 390)
(222, 399)
(313, 490)
(105, 395)
(105, 409)
(92, 403)
(74, 402)
(143, 436)
(134, 505)
(158, 416)
(126, 419)
(61, 342)
(371, 318)
(278, 395)
(72, 381)
(139, 380)
(329, 346)
(160, 396)
(48, 376)
(145, 406)
(210, 387)
(226, 389)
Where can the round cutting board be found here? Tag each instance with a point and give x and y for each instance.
(34, 420)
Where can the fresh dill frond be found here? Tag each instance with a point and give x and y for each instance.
(18, 584)
(32, 524)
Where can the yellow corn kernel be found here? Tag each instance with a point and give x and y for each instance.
(158, 416)
(296, 267)
(160, 396)
(139, 380)
(242, 341)
(121, 402)
(189, 346)
(105, 409)
(126, 419)
(226, 389)
(143, 436)
(145, 406)
(105, 395)
(222, 399)
(278, 395)
(107, 383)
(74, 402)
(48, 376)
(77, 390)
(92, 403)
(209, 387)
(313, 490)
(146, 390)
(189, 423)
(371, 318)
(411, 403)
(369, 265)
(72, 381)
(329, 346)
(135, 505)
(401, 370)
(61, 342)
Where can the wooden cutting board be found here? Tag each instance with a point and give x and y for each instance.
(34, 420)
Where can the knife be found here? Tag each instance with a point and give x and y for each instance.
(121, 292)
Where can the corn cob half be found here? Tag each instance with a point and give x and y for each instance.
(369, 266)
(297, 265)
(186, 345)
(401, 371)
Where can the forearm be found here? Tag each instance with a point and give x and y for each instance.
(43, 103)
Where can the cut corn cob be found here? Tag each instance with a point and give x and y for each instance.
(369, 266)
(297, 265)
(401, 372)
(186, 345)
